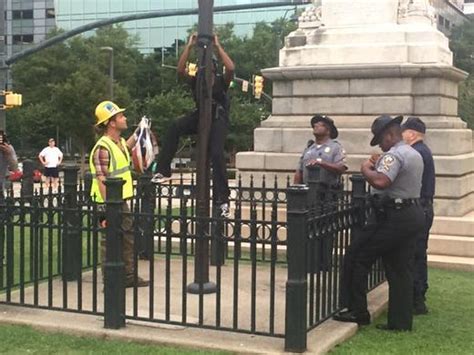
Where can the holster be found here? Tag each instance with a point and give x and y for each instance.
(378, 206)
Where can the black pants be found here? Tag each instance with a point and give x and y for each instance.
(421, 265)
(188, 125)
(393, 239)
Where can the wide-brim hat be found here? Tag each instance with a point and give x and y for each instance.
(380, 124)
(333, 133)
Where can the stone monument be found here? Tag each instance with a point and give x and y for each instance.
(354, 60)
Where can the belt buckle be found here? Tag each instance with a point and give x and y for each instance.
(398, 203)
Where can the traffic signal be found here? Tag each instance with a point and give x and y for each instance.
(9, 100)
(257, 86)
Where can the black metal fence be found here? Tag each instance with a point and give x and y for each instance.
(273, 267)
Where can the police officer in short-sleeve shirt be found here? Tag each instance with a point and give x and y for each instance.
(324, 152)
(395, 179)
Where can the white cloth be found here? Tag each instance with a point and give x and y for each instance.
(51, 156)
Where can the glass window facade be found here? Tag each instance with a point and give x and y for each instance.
(26, 22)
(160, 32)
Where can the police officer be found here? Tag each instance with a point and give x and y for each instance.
(395, 180)
(324, 152)
(188, 125)
(327, 154)
(110, 157)
(413, 132)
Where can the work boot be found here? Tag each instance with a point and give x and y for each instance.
(159, 178)
(138, 283)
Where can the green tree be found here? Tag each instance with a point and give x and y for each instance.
(462, 45)
(67, 81)
(62, 85)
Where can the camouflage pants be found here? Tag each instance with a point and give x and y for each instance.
(127, 244)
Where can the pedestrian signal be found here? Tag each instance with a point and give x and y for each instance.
(257, 86)
(9, 100)
(245, 86)
(192, 69)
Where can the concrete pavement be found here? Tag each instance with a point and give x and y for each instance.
(320, 340)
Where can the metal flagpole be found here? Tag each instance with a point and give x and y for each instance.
(201, 282)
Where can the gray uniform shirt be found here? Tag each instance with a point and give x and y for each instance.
(330, 151)
(403, 165)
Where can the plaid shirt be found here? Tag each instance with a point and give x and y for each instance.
(101, 161)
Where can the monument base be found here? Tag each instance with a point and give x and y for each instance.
(353, 95)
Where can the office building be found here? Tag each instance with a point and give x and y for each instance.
(161, 32)
(27, 22)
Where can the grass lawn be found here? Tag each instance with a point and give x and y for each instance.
(447, 329)
(23, 339)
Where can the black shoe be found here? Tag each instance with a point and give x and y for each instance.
(420, 308)
(390, 329)
(351, 317)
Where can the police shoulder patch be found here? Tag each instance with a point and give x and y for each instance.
(385, 163)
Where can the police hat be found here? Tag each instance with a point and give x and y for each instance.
(415, 124)
(333, 133)
(380, 124)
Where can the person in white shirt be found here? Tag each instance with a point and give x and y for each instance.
(51, 157)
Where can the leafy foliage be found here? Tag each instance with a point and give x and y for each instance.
(62, 85)
(462, 45)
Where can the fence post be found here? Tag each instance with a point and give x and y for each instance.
(317, 193)
(3, 223)
(147, 193)
(358, 194)
(114, 268)
(27, 178)
(87, 184)
(296, 285)
(217, 242)
(72, 227)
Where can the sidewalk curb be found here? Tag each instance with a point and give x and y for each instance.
(320, 340)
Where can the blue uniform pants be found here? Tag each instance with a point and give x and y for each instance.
(421, 265)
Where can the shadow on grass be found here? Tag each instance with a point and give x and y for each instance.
(448, 328)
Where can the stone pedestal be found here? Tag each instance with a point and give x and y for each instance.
(354, 60)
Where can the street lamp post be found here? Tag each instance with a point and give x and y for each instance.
(111, 70)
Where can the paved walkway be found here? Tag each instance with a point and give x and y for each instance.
(320, 340)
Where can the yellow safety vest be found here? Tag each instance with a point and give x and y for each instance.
(119, 167)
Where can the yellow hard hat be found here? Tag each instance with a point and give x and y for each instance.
(105, 110)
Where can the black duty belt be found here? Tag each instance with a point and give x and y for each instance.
(400, 202)
(387, 202)
(426, 201)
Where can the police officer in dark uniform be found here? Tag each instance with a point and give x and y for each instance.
(413, 132)
(188, 125)
(395, 180)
